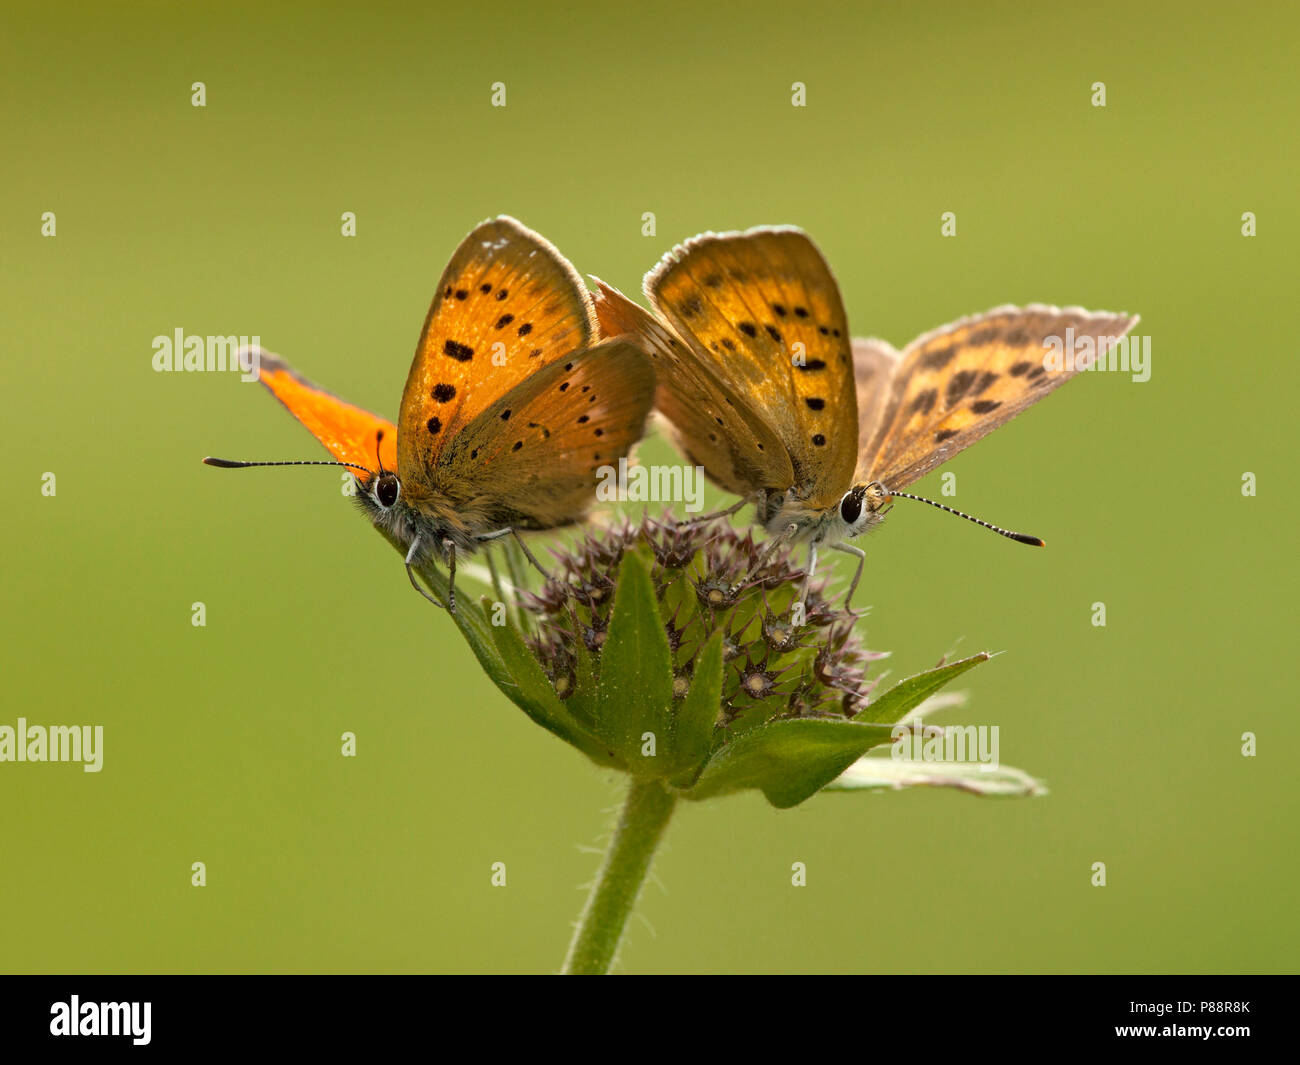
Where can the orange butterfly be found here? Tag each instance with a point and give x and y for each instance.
(511, 407)
(766, 391)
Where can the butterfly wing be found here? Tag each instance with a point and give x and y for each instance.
(713, 426)
(958, 383)
(875, 363)
(762, 311)
(532, 458)
(507, 306)
(350, 434)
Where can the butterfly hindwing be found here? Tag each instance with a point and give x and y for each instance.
(714, 427)
(533, 458)
(350, 434)
(875, 363)
(507, 306)
(763, 313)
(958, 383)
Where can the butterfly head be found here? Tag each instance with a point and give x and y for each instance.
(861, 507)
(385, 489)
(380, 492)
(416, 523)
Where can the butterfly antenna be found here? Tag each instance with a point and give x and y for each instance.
(1020, 538)
(235, 464)
(379, 439)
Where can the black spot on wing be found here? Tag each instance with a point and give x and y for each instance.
(939, 358)
(958, 385)
(924, 402)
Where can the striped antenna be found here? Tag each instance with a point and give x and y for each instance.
(1020, 538)
(235, 464)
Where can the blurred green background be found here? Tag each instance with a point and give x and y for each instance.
(222, 742)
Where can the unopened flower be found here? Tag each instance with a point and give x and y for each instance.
(690, 655)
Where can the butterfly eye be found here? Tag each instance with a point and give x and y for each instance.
(387, 490)
(851, 507)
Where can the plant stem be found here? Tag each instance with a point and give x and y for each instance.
(641, 824)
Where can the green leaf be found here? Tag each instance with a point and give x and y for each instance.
(511, 667)
(874, 773)
(693, 722)
(788, 760)
(583, 700)
(473, 625)
(530, 689)
(636, 671)
(907, 694)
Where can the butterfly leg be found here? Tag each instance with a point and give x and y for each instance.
(765, 552)
(410, 573)
(808, 576)
(704, 518)
(861, 556)
(528, 554)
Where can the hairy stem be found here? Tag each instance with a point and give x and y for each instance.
(641, 824)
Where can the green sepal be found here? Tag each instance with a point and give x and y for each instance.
(635, 694)
(525, 685)
(696, 715)
(906, 695)
(789, 760)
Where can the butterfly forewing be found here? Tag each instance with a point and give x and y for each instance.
(507, 306)
(762, 311)
(533, 458)
(350, 434)
(714, 427)
(959, 383)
